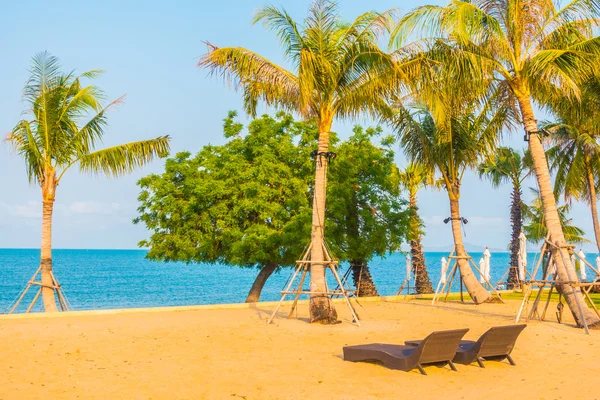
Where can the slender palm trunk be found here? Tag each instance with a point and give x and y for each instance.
(516, 220)
(593, 203)
(257, 287)
(422, 281)
(560, 252)
(48, 190)
(476, 291)
(321, 307)
(363, 281)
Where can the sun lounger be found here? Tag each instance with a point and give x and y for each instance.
(438, 347)
(495, 344)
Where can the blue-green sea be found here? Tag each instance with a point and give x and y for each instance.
(106, 279)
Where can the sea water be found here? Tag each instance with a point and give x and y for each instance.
(107, 279)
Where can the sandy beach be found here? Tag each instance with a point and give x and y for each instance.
(231, 353)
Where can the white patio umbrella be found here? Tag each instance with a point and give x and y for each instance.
(445, 267)
(486, 257)
(582, 270)
(408, 267)
(522, 256)
(598, 263)
(482, 270)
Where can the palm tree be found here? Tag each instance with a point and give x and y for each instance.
(535, 227)
(508, 166)
(536, 51)
(68, 122)
(575, 155)
(448, 135)
(338, 72)
(413, 178)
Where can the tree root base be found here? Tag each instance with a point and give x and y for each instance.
(593, 327)
(493, 300)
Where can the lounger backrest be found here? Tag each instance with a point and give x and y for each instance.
(439, 346)
(499, 340)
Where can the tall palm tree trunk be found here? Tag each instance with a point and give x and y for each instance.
(321, 307)
(560, 253)
(422, 281)
(593, 203)
(516, 220)
(476, 291)
(363, 280)
(259, 283)
(48, 192)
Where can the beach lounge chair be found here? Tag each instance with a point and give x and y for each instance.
(495, 344)
(438, 347)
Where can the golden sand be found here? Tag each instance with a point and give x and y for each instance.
(233, 354)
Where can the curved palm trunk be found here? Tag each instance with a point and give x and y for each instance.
(476, 291)
(422, 281)
(48, 190)
(321, 307)
(593, 204)
(363, 281)
(259, 282)
(516, 220)
(560, 253)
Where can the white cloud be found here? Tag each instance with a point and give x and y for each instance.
(30, 209)
(94, 208)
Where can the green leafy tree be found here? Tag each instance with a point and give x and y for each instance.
(508, 166)
(535, 226)
(67, 124)
(245, 203)
(338, 72)
(537, 51)
(413, 178)
(367, 215)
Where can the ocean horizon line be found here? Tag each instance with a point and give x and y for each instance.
(138, 249)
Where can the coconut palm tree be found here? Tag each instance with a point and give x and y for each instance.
(535, 227)
(337, 72)
(575, 152)
(449, 134)
(68, 121)
(508, 166)
(537, 51)
(413, 178)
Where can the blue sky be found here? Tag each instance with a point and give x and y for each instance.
(149, 51)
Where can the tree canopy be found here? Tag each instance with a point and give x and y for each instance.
(247, 202)
(244, 203)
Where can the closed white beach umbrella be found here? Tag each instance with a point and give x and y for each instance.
(598, 263)
(482, 270)
(582, 270)
(445, 267)
(486, 260)
(522, 256)
(408, 267)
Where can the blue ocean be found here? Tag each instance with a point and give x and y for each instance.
(108, 279)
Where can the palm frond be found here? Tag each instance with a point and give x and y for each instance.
(123, 159)
(242, 67)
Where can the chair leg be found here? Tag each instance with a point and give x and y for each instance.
(421, 369)
(480, 362)
(510, 360)
(452, 366)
